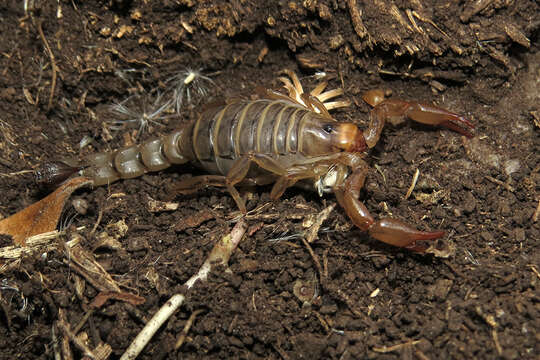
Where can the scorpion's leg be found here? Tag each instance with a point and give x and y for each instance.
(236, 174)
(390, 231)
(286, 176)
(389, 109)
(197, 183)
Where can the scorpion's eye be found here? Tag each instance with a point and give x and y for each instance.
(328, 128)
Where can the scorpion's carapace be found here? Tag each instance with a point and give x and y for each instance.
(284, 139)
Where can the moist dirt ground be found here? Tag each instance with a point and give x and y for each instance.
(351, 296)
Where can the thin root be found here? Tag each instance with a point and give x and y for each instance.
(220, 253)
(152, 326)
(413, 183)
(54, 68)
(536, 213)
(185, 331)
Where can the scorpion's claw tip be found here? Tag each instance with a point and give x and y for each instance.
(461, 125)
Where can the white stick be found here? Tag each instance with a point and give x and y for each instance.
(152, 326)
(221, 253)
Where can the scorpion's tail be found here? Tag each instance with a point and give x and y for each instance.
(133, 161)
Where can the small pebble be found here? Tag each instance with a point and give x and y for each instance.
(80, 205)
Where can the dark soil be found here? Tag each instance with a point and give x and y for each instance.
(478, 58)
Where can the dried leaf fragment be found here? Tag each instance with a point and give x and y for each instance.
(84, 263)
(102, 297)
(42, 216)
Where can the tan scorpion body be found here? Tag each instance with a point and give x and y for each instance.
(281, 139)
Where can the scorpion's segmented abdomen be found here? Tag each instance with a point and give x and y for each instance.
(152, 155)
(223, 134)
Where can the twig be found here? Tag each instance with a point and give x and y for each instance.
(220, 254)
(311, 234)
(534, 270)
(152, 326)
(281, 352)
(83, 321)
(94, 228)
(54, 68)
(64, 326)
(185, 331)
(17, 173)
(499, 182)
(498, 346)
(356, 18)
(386, 349)
(536, 213)
(413, 183)
(314, 257)
(56, 347)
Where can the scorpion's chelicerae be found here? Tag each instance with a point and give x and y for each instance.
(281, 139)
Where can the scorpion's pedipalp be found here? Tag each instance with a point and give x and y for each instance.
(387, 230)
(422, 113)
(434, 115)
(398, 233)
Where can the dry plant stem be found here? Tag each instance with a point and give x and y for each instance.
(314, 257)
(534, 270)
(413, 184)
(54, 69)
(499, 182)
(185, 331)
(67, 354)
(536, 213)
(83, 321)
(281, 352)
(94, 228)
(56, 347)
(387, 349)
(152, 326)
(85, 265)
(64, 326)
(220, 254)
(356, 17)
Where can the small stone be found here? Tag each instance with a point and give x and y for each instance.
(328, 309)
(469, 203)
(487, 236)
(519, 234)
(234, 341)
(434, 328)
(439, 291)
(511, 166)
(137, 243)
(380, 261)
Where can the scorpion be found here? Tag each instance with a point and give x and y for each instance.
(283, 139)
